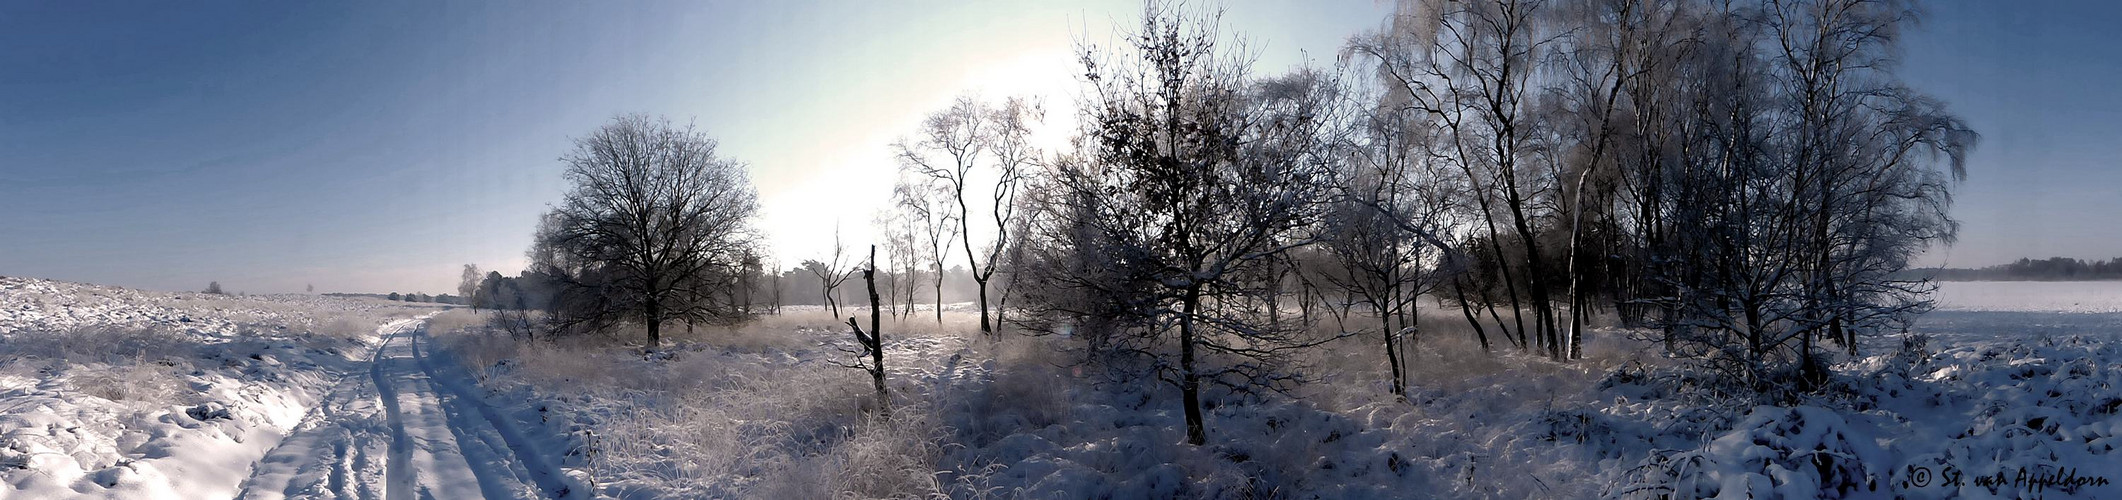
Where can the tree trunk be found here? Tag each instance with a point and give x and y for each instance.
(1576, 280)
(913, 289)
(1510, 285)
(1467, 309)
(655, 326)
(1274, 292)
(984, 326)
(1190, 382)
(965, 235)
(1392, 352)
(1304, 300)
(892, 288)
(1536, 281)
(876, 336)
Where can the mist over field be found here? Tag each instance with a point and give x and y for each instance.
(1609, 249)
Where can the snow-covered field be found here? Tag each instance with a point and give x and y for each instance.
(2081, 297)
(2008, 390)
(114, 393)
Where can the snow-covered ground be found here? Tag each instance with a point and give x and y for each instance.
(2081, 297)
(114, 393)
(2008, 390)
(1980, 312)
(755, 413)
(410, 428)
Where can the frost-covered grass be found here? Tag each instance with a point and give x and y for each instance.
(1995, 382)
(754, 411)
(2009, 390)
(108, 392)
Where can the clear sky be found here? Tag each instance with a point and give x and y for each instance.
(2042, 82)
(376, 146)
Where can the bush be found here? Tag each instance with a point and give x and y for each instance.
(455, 321)
(517, 323)
(1802, 452)
(149, 383)
(103, 343)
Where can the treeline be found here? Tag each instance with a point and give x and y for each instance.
(1745, 182)
(533, 291)
(909, 289)
(404, 297)
(2049, 269)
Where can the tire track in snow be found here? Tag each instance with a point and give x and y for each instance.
(437, 440)
(398, 470)
(528, 457)
(329, 451)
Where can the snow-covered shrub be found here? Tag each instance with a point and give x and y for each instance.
(103, 343)
(149, 383)
(484, 355)
(1801, 452)
(1026, 389)
(455, 321)
(517, 323)
(570, 362)
(2034, 407)
(347, 325)
(880, 458)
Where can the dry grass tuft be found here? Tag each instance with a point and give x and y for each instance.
(149, 383)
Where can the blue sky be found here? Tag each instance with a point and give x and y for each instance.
(375, 146)
(2039, 81)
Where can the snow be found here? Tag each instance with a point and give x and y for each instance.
(714, 421)
(408, 429)
(115, 393)
(2076, 297)
(2003, 378)
(2007, 390)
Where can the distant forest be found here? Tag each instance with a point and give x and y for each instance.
(2050, 269)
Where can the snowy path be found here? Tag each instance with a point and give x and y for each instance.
(411, 428)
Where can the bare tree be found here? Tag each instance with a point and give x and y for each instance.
(1392, 200)
(903, 244)
(871, 343)
(1194, 176)
(1471, 68)
(1754, 171)
(751, 271)
(214, 287)
(1009, 138)
(925, 203)
(773, 284)
(902, 247)
(831, 273)
(468, 285)
(1599, 60)
(654, 223)
(952, 145)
